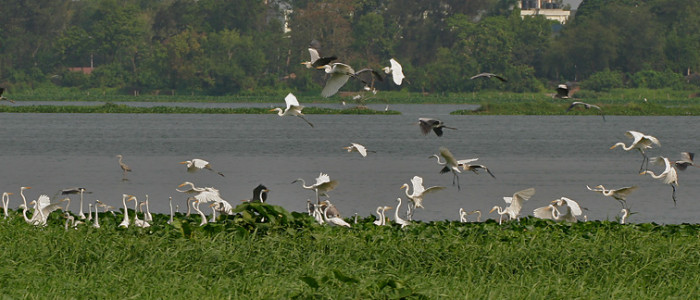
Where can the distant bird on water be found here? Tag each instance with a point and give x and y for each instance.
(488, 75)
(197, 164)
(427, 124)
(586, 106)
(125, 168)
(293, 108)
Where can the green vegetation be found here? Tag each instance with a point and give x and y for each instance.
(124, 109)
(289, 256)
(559, 108)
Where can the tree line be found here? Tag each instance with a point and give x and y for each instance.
(218, 47)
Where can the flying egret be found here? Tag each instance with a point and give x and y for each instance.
(333, 219)
(668, 176)
(450, 164)
(466, 166)
(340, 74)
(416, 196)
(197, 164)
(76, 190)
(123, 166)
(323, 184)
(685, 161)
(640, 142)
(359, 148)
(488, 75)
(293, 108)
(427, 124)
(618, 194)
(397, 218)
(516, 202)
(586, 106)
(2, 90)
(315, 59)
(395, 70)
(6, 203)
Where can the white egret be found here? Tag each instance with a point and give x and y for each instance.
(323, 184)
(105, 207)
(462, 215)
(488, 75)
(586, 106)
(340, 73)
(333, 219)
(545, 212)
(293, 108)
(318, 213)
(668, 176)
(640, 142)
(358, 148)
(395, 70)
(138, 222)
(625, 213)
(618, 194)
(685, 161)
(450, 164)
(24, 201)
(380, 217)
(2, 90)
(516, 202)
(96, 223)
(500, 212)
(397, 218)
(170, 202)
(195, 205)
(197, 164)
(147, 215)
(89, 217)
(79, 191)
(416, 196)
(44, 207)
(428, 124)
(6, 203)
(478, 214)
(573, 210)
(125, 222)
(125, 168)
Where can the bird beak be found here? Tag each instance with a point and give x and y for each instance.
(272, 109)
(10, 193)
(265, 191)
(182, 162)
(181, 185)
(388, 208)
(642, 172)
(321, 67)
(613, 146)
(490, 211)
(27, 187)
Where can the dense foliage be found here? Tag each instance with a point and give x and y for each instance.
(215, 47)
(290, 256)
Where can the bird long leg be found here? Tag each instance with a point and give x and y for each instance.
(307, 121)
(645, 162)
(674, 195)
(457, 179)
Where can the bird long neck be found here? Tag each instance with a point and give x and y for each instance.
(624, 147)
(126, 210)
(438, 160)
(396, 212)
(407, 194)
(97, 217)
(24, 214)
(24, 200)
(136, 213)
(170, 202)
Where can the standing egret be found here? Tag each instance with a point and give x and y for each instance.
(44, 207)
(500, 212)
(380, 217)
(640, 142)
(125, 221)
(197, 164)
(573, 210)
(586, 106)
(427, 124)
(668, 176)
(340, 73)
(195, 205)
(462, 215)
(293, 108)
(138, 222)
(96, 224)
(488, 75)
(170, 202)
(450, 164)
(69, 220)
(516, 202)
(323, 184)
(416, 196)
(685, 161)
(625, 213)
(2, 90)
(478, 214)
(395, 70)
(89, 217)
(397, 218)
(125, 168)
(334, 218)
(6, 203)
(359, 148)
(147, 215)
(315, 59)
(618, 194)
(76, 190)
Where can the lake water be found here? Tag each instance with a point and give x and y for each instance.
(558, 155)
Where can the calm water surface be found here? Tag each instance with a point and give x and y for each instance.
(558, 155)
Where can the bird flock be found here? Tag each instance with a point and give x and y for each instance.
(324, 211)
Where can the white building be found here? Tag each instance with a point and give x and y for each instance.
(550, 9)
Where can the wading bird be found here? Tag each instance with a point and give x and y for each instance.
(123, 166)
(340, 73)
(625, 213)
(416, 196)
(197, 164)
(586, 106)
(381, 215)
(259, 194)
(462, 215)
(427, 124)
(138, 222)
(76, 190)
(450, 164)
(618, 194)
(6, 203)
(333, 219)
(478, 214)
(685, 161)
(640, 142)
(170, 203)
(668, 176)
(293, 109)
(572, 210)
(516, 202)
(42, 208)
(500, 212)
(2, 90)
(358, 148)
(323, 184)
(125, 221)
(488, 75)
(315, 59)
(395, 70)
(397, 218)
(147, 215)
(195, 205)
(96, 223)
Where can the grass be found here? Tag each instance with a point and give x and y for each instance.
(292, 257)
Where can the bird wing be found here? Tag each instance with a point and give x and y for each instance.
(449, 158)
(427, 124)
(199, 163)
(524, 195)
(396, 72)
(508, 200)
(327, 186)
(417, 183)
(544, 212)
(623, 192)
(208, 195)
(334, 83)
(573, 104)
(563, 91)
(313, 53)
(480, 75)
(465, 162)
(43, 201)
(322, 178)
(291, 100)
(575, 208)
(360, 148)
(433, 189)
